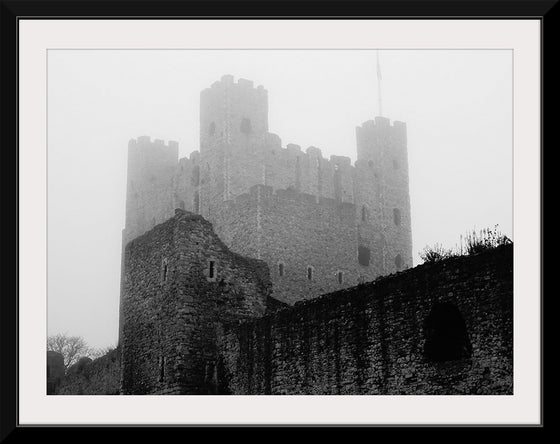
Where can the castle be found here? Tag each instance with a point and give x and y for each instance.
(250, 268)
(320, 224)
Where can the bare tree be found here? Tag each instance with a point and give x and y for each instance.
(95, 353)
(72, 348)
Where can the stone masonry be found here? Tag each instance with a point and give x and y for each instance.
(320, 224)
(253, 268)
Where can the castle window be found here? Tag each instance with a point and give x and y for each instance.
(397, 216)
(395, 164)
(446, 334)
(281, 269)
(365, 214)
(363, 256)
(161, 368)
(309, 273)
(212, 269)
(212, 129)
(245, 127)
(398, 262)
(339, 277)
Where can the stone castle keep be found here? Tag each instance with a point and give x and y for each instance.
(252, 268)
(320, 224)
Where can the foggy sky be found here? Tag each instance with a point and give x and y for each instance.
(457, 105)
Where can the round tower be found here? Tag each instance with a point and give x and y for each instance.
(382, 194)
(233, 132)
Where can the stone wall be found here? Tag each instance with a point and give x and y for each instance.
(55, 371)
(443, 328)
(294, 232)
(101, 376)
(180, 281)
(237, 152)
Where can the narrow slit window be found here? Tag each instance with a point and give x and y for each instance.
(212, 269)
(281, 269)
(397, 216)
(365, 214)
(309, 273)
(339, 277)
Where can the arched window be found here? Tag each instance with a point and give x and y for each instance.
(397, 216)
(212, 129)
(363, 256)
(446, 334)
(398, 262)
(245, 127)
(365, 214)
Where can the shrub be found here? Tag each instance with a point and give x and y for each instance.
(474, 242)
(484, 240)
(435, 253)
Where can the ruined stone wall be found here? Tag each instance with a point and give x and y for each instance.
(55, 371)
(102, 376)
(180, 281)
(293, 232)
(386, 337)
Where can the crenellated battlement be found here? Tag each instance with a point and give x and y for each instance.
(347, 221)
(146, 141)
(382, 122)
(228, 81)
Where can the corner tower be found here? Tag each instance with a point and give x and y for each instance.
(382, 193)
(233, 133)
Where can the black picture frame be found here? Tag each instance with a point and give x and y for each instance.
(14, 11)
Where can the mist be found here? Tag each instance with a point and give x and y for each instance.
(457, 105)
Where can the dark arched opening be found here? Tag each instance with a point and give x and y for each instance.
(245, 126)
(446, 334)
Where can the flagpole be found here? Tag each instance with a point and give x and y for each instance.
(379, 85)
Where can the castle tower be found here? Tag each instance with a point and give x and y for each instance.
(233, 133)
(149, 199)
(382, 194)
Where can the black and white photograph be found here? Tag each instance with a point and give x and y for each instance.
(282, 222)
(279, 221)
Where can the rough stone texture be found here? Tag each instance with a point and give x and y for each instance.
(98, 377)
(55, 371)
(172, 305)
(237, 152)
(371, 339)
(276, 227)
